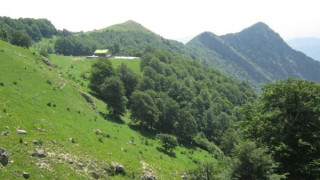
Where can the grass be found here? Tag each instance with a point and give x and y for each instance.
(24, 98)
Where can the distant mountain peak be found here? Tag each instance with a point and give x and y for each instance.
(260, 25)
(132, 24)
(129, 25)
(259, 28)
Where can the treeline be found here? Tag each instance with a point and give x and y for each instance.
(21, 31)
(174, 95)
(79, 45)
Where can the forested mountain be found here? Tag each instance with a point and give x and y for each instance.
(128, 38)
(310, 46)
(256, 54)
(175, 95)
(215, 51)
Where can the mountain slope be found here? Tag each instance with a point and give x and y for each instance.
(256, 54)
(46, 101)
(133, 39)
(309, 46)
(266, 49)
(216, 52)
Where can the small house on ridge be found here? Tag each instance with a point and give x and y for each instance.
(102, 53)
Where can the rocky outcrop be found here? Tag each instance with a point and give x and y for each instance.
(4, 158)
(48, 63)
(118, 168)
(89, 99)
(95, 175)
(26, 175)
(20, 131)
(148, 176)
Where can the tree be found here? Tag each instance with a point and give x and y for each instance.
(21, 38)
(253, 163)
(99, 72)
(113, 91)
(129, 78)
(187, 126)
(44, 52)
(168, 113)
(167, 141)
(116, 49)
(35, 33)
(217, 125)
(143, 109)
(3, 35)
(287, 121)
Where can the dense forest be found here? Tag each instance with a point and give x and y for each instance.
(175, 95)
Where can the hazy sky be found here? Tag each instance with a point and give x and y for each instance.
(174, 19)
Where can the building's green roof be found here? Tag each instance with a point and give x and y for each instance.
(101, 51)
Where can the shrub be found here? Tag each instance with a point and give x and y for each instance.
(167, 141)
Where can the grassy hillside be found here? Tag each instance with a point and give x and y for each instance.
(47, 103)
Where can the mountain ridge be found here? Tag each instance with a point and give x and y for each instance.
(264, 51)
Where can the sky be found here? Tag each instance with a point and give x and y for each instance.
(175, 19)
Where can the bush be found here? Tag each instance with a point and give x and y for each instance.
(203, 143)
(21, 38)
(167, 141)
(44, 52)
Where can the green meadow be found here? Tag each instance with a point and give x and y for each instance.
(46, 102)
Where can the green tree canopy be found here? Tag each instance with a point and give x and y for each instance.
(253, 163)
(113, 91)
(288, 122)
(99, 72)
(129, 78)
(143, 109)
(20, 38)
(167, 141)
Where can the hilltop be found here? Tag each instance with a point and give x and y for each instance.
(129, 25)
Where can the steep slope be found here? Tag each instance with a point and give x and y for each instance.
(310, 46)
(267, 50)
(213, 50)
(256, 54)
(46, 101)
(133, 39)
